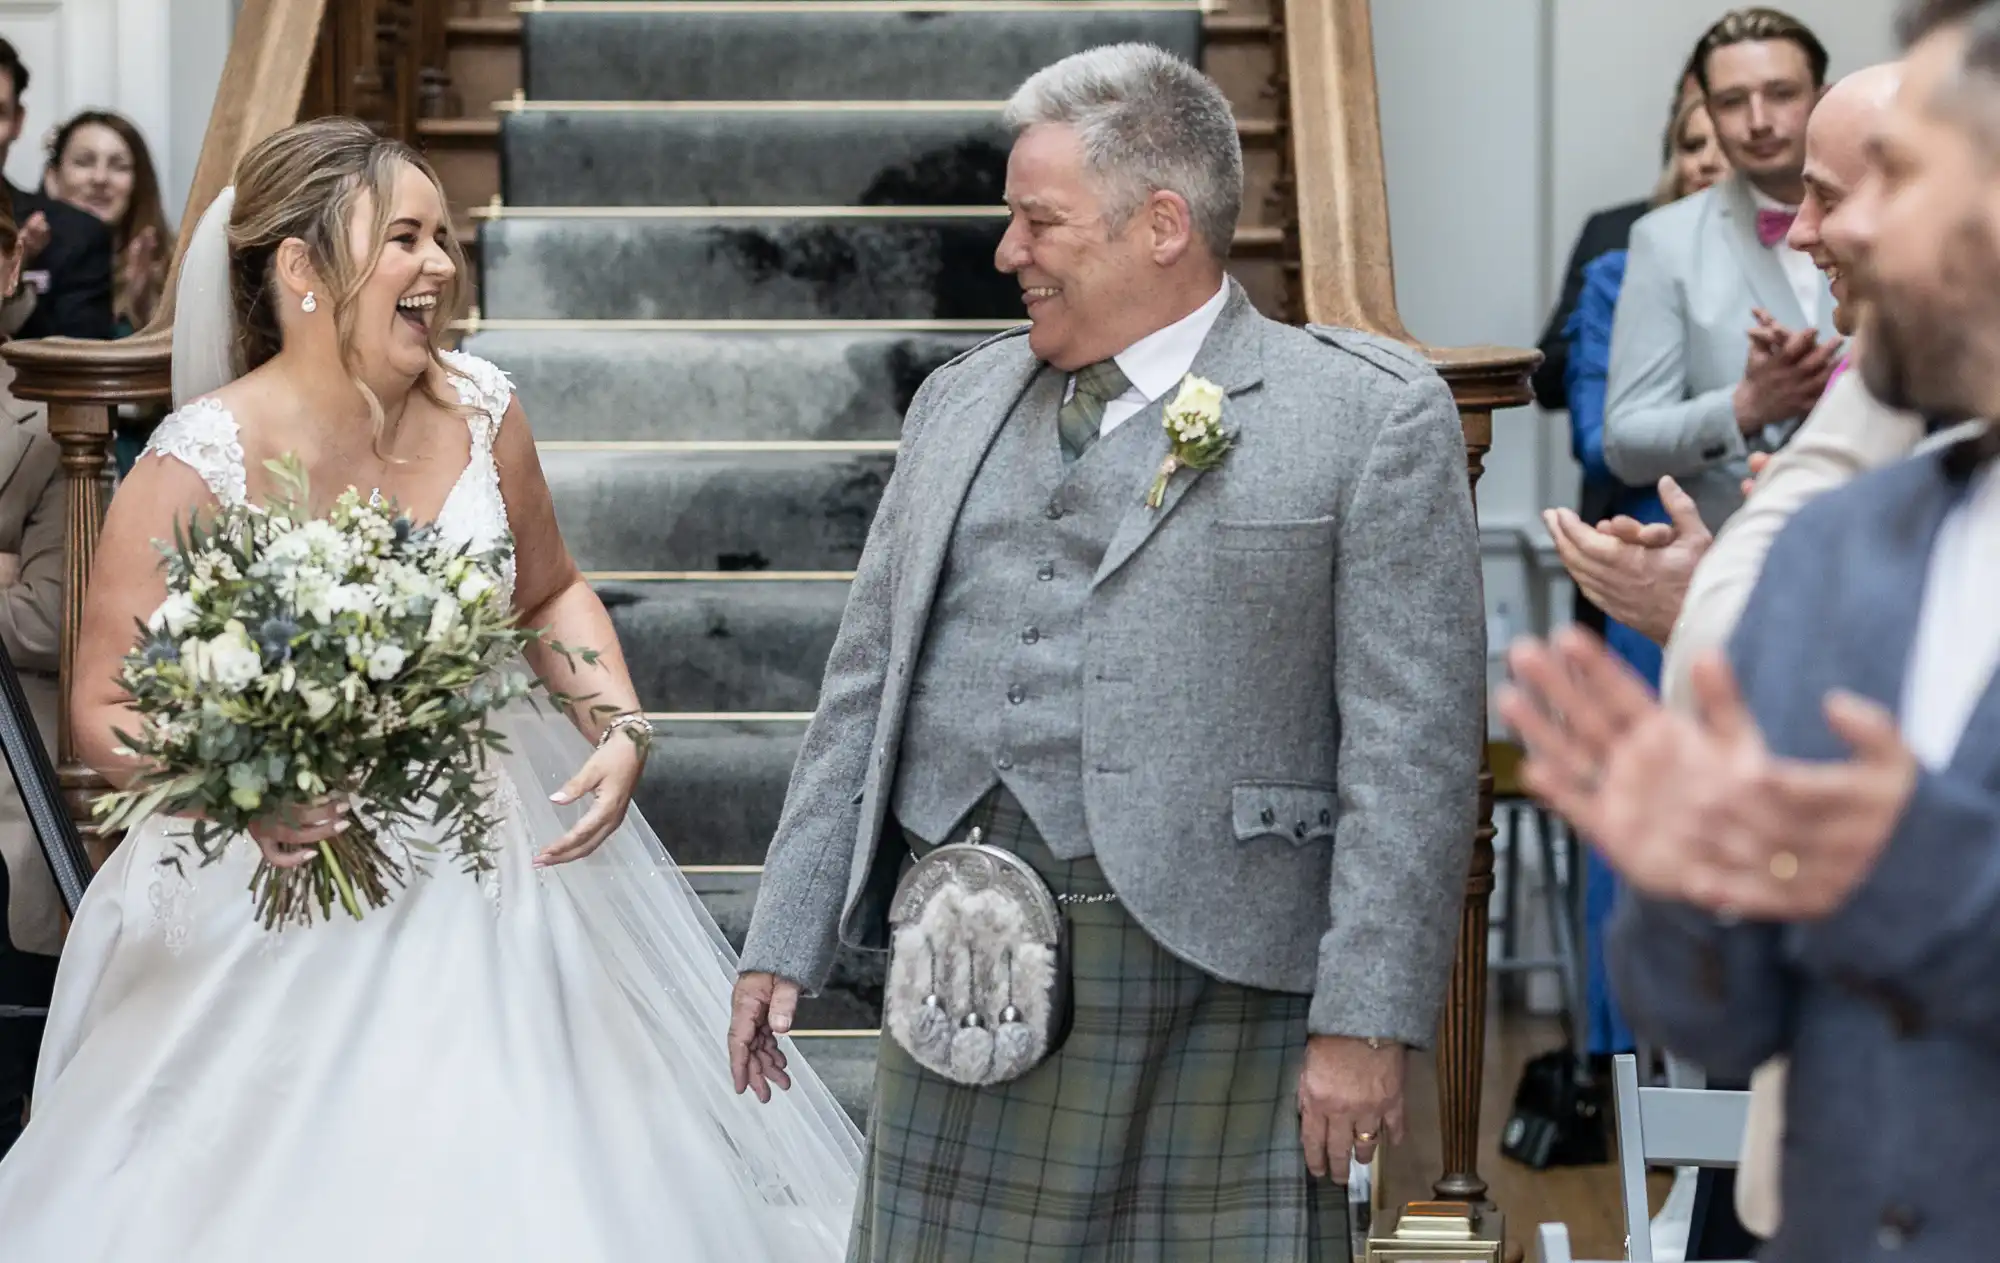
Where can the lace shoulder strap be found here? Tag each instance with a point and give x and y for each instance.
(484, 387)
(204, 437)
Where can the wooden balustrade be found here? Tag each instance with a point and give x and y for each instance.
(380, 60)
(1346, 276)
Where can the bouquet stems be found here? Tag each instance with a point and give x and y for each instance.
(351, 869)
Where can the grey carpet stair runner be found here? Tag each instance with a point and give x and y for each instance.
(733, 243)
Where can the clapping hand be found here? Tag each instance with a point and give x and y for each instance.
(1785, 374)
(1696, 808)
(34, 237)
(1638, 573)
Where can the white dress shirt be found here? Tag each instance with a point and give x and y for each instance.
(1156, 363)
(1800, 270)
(1958, 629)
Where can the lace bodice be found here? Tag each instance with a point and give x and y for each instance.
(204, 436)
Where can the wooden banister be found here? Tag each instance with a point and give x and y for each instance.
(289, 59)
(1346, 276)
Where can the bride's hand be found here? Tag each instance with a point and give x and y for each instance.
(292, 837)
(611, 775)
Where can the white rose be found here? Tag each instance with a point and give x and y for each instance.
(174, 614)
(1198, 397)
(228, 659)
(318, 700)
(474, 586)
(385, 661)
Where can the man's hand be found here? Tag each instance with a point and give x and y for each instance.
(1696, 808)
(1350, 1098)
(1638, 574)
(1784, 374)
(1757, 462)
(760, 1011)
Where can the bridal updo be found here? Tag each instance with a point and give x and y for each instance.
(307, 182)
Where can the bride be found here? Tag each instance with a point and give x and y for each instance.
(529, 1066)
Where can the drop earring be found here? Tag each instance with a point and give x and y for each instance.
(309, 304)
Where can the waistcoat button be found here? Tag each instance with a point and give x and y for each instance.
(1005, 762)
(1055, 511)
(1017, 695)
(1267, 816)
(1030, 635)
(1047, 571)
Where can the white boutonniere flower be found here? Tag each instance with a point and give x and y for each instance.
(1194, 425)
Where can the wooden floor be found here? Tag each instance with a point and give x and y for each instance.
(1585, 1198)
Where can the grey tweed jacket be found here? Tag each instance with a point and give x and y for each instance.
(1283, 686)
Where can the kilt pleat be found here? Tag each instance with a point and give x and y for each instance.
(1165, 1129)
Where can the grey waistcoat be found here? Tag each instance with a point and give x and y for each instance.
(999, 685)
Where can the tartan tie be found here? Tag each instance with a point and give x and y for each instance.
(1083, 412)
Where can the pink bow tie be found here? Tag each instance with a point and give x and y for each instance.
(1773, 225)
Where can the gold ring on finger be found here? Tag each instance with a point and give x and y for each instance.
(1364, 1137)
(1784, 865)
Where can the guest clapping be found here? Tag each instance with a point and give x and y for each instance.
(98, 162)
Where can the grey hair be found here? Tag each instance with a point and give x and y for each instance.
(1148, 123)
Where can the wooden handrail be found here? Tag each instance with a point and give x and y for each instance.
(1346, 276)
(288, 59)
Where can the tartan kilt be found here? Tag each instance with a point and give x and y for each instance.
(1166, 1128)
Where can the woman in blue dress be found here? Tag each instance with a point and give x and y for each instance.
(1693, 161)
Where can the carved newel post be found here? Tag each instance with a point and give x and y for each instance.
(1347, 278)
(81, 382)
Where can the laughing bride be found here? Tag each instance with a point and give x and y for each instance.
(525, 1067)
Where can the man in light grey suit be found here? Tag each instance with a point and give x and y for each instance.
(1239, 730)
(1724, 336)
(1815, 852)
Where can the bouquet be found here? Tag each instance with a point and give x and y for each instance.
(296, 659)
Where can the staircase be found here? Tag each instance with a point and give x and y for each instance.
(730, 239)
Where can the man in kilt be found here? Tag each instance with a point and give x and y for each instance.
(1224, 698)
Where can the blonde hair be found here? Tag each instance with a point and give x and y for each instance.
(307, 182)
(1668, 189)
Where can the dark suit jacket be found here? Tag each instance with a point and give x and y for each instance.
(1602, 233)
(1886, 1007)
(77, 300)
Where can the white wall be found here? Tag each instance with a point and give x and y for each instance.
(155, 61)
(1505, 124)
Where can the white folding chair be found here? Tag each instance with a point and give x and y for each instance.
(1552, 1246)
(1674, 1126)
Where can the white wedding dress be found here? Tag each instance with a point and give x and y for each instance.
(526, 1067)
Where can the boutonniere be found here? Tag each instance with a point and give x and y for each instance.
(1194, 424)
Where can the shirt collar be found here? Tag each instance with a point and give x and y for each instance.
(1765, 201)
(1156, 363)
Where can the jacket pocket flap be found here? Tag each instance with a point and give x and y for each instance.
(1282, 809)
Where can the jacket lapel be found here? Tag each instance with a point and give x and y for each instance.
(1882, 625)
(1232, 356)
(1766, 277)
(940, 493)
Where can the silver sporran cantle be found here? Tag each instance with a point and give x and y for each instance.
(978, 987)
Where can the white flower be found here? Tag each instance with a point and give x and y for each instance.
(474, 585)
(318, 700)
(444, 616)
(385, 661)
(229, 659)
(174, 614)
(1198, 397)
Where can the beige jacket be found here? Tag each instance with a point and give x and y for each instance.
(1847, 435)
(31, 604)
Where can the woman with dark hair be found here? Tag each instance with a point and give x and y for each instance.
(99, 162)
